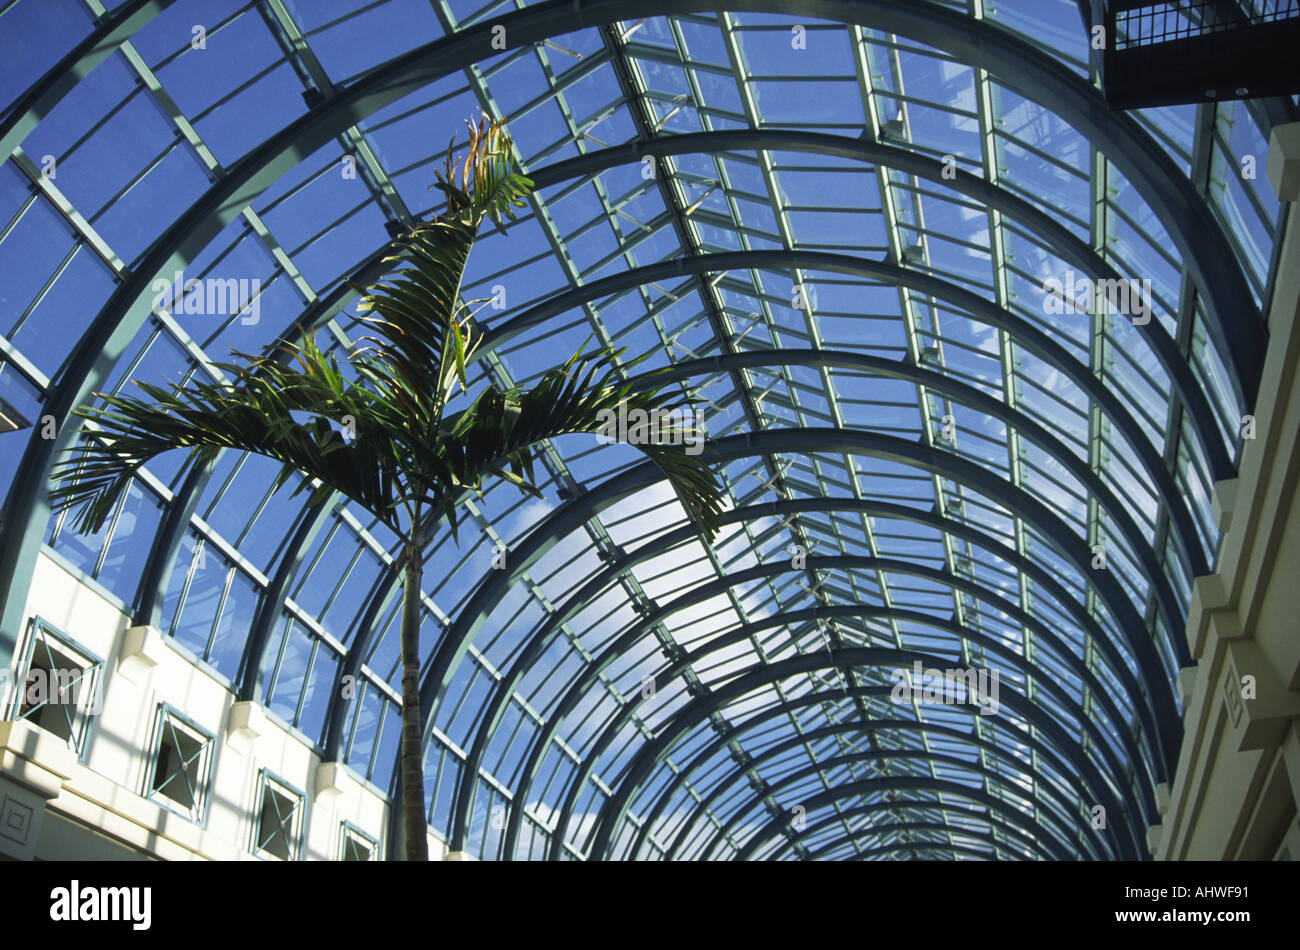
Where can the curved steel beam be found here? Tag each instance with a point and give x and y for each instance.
(1045, 839)
(162, 555)
(681, 836)
(854, 790)
(272, 601)
(493, 709)
(573, 514)
(797, 741)
(1017, 63)
(42, 96)
(619, 720)
(1179, 513)
(1055, 236)
(1163, 750)
(613, 811)
(904, 846)
(854, 835)
(1014, 61)
(1036, 832)
(130, 304)
(382, 593)
(149, 593)
(581, 684)
(1026, 335)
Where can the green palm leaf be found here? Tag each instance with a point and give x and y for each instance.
(411, 461)
(253, 412)
(500, 432)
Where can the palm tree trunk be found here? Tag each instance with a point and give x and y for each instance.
(413, 819)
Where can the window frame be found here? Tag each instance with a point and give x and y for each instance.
(269, 781)
(198, 813)
(349, 832)
(40, 630)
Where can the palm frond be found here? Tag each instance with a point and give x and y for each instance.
(500, 432)
(408, 452)
(415, 313)
(253, 412)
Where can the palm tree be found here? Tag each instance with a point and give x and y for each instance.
(384, 436)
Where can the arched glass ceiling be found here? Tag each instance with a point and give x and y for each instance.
(836, 225)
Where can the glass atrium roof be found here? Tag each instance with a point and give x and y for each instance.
(837, 226)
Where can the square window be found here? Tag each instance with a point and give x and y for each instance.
(277, 825)
(181, 765)
(59, 690)
(357, 845)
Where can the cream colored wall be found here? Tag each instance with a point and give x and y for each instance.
(104, 790)
(1238, 776)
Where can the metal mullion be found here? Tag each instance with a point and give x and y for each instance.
(987, 442)
(1023, 379)
(226, 586)
(1151, 243)
(196, 557)
(627, 244)
(45, 289)
(989, 155)
(110, 529)
(891, 43)
(299, 54)
(1014, 139)
(1114, 352)
(349, 15)
(306, 682)
(392, 706)
(287, 621)
(447, 19)
(513, 734)
(257, 512)
(656, 54)
(221, 25)
(131, 183)
(332, 226)
(186, 130)
(166, 104)
(767, 170)
(923, 232)
(347, 571)
(478, 666)
(502, 274)
(300, 186)
(238, 90)
(557, 84)
(1061, 486)
(1252, 198)
(100, 123)
(309, 569)
(1205, 135)
(903, 100)
(718, 320)
(81, 227)
(1116, 459)
(278, 254)
(1024, 190)
(33, 196)
(349, 740)
(867, 90)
